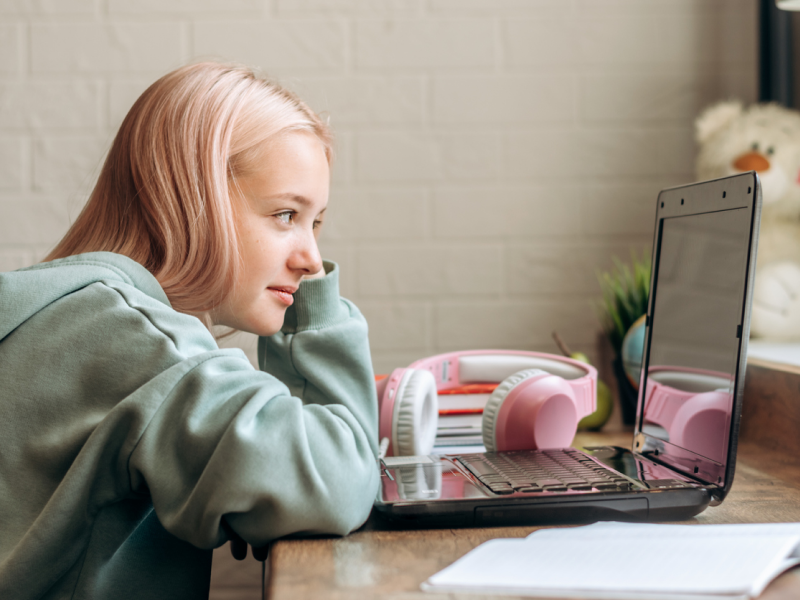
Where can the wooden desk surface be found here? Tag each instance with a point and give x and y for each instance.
(386, 564)
(371, 563)
(375, 563)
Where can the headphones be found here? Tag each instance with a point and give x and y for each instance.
(537, 404)
(692, 405)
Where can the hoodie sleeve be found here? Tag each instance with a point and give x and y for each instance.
(268, 454)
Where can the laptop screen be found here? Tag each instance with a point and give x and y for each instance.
(696, 321)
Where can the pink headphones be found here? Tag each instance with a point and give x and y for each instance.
(692, 405)
(537, 404)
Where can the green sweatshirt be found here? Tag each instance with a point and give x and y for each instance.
(131, 445)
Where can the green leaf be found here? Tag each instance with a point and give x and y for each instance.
(625, 291)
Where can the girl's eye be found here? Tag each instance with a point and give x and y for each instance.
(286, 217)
(317, 224)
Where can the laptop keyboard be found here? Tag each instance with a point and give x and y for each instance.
(529, 471)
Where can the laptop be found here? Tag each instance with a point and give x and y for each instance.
(683, 453)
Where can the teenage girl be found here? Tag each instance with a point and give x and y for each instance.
(130, 444)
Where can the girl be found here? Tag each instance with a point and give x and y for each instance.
(130, 444)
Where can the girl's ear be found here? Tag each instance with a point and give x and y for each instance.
(715, 118)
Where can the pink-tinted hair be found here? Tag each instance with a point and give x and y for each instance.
(163, 195)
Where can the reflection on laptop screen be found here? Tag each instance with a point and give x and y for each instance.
(698, 290)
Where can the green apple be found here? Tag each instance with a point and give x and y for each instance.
(605, 404)
(605, 401)
(581, 357)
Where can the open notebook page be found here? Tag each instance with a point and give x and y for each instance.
(621, 560)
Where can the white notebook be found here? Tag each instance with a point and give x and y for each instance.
(626, 560)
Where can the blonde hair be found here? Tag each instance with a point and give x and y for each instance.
(163, 194)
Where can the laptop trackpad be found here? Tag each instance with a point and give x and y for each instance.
(432, 480)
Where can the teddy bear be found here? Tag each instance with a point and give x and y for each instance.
(764, 138)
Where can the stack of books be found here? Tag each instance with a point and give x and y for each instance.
(460, 416)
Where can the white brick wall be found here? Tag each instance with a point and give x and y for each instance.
(285, 46)
(491, 155)
(10, 49)
(425, 43)
(110, 48)
(11, 172)
(36, 105)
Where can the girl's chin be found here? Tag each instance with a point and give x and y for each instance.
(270, 326)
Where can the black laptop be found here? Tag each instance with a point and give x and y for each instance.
(683, 453)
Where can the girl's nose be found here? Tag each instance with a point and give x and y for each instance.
(306, 257)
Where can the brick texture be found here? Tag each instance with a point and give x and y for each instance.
(349, 7)
(11, 176)
(47, 7)
(111, 48)
(10, 49)
(27, 221)
(504, 99)
(50, 105)
(377, 214)
(425, 43)
(287, 46)
(190, 8)
(121, 96)
(67, 162)
(366, 101)
(430, 270)
(502, 211)
(491, 155)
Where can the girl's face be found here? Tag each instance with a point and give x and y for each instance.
(280, 206)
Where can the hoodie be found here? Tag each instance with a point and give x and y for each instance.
(131, 445)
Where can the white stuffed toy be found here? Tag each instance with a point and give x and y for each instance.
(764, 138)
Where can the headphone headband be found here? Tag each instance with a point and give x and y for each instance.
(454, 369)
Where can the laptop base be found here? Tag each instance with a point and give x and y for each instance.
(456, 498)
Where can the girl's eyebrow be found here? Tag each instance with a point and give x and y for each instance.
(289, 196)
(296, 198)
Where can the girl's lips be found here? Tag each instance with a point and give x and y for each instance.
(283, 294)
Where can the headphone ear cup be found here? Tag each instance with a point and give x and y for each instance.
(702, 423)
(416, 414)
(495, 401)
(531, 410)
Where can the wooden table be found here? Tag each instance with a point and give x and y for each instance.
(377, 562)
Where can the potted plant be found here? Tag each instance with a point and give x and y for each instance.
(625, 290)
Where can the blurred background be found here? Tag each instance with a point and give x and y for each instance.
(491, 155)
